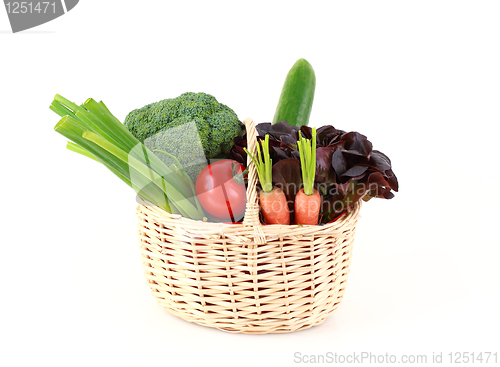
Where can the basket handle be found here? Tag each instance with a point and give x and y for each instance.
(252, 209)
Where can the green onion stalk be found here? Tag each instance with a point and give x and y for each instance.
(95, 133)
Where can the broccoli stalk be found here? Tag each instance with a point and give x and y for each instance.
(193, 127)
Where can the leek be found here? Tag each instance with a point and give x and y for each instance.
(95, 133)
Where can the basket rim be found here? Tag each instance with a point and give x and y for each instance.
(163, 216)
(258, 232)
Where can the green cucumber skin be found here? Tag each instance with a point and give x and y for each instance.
(297, 95)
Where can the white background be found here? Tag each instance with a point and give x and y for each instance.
(421, 79)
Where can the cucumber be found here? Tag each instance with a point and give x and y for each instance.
(297, 95)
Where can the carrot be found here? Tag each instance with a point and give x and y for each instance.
(307, 207)
(308, 199)
(272, 199)
(274, 206)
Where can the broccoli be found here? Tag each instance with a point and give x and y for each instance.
(193, 127)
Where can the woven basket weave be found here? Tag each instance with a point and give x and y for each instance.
(246, 277)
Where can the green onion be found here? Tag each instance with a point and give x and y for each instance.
(307, 150)
(184, 173)
(73, 130)
(95, 133)
(78, 149)
(264, 166)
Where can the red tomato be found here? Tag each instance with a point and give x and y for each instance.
(219, 194)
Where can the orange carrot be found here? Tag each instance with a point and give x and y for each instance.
(307, 207)
(308, 199)
(272, 199)
(274, 206)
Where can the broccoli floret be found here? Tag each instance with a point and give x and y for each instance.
(193, 127)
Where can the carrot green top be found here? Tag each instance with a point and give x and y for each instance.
(308, 161)
(264, 166)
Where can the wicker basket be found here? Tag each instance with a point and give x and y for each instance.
(247, 278)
